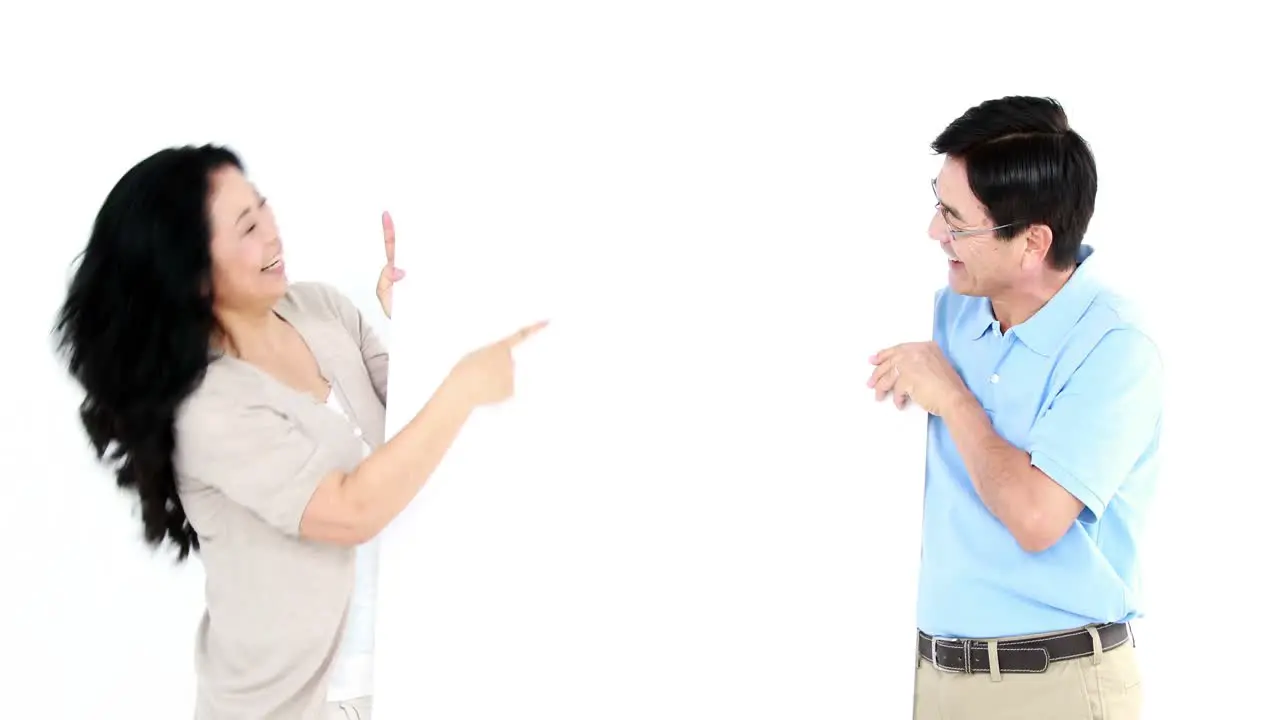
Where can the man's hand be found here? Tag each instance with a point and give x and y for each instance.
(918, 372)
(390, 273)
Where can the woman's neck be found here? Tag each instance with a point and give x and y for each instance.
(244, 333)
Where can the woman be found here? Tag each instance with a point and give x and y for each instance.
(248, 415)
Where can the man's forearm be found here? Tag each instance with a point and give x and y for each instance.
(1011, 488)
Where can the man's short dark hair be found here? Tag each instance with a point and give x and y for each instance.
(1027, 166)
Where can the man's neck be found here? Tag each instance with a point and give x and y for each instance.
(1016, 306)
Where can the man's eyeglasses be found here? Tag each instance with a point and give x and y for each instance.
(961, 233)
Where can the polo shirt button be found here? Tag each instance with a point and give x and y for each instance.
(995, 378)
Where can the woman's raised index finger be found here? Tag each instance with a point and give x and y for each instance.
(389, 236)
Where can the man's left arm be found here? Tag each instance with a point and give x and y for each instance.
(1078, 453)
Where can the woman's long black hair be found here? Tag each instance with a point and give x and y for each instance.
(136, 325)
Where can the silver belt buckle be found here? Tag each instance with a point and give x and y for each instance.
(933, 652)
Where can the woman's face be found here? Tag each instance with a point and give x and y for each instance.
(248, 265)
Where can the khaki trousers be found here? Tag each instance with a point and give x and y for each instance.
(1104, 686)
(360, 708)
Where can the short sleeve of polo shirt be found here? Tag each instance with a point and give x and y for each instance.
(1102, 421)
(254, 455)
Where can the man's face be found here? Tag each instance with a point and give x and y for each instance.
(980, 263)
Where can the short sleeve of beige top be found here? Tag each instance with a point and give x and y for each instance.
(250, 452)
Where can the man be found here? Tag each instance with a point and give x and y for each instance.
(1045, 415)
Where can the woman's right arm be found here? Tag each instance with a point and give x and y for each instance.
(352, 508)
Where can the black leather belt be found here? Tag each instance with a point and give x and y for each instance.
(1018, 656)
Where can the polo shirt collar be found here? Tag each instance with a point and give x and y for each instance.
(1045, 330)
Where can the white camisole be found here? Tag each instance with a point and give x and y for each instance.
(353, 670)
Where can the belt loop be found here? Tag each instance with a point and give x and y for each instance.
(1097, 644)
(993, 659)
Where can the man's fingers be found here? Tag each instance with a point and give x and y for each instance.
(880, 357)
(901, 399)
(885, 380)
(525, 333)
(389, 236)
(881, 371)
(885, 386)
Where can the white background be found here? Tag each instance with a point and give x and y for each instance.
(342, 115)
(692, 508)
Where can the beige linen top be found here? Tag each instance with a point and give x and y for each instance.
(250, 453)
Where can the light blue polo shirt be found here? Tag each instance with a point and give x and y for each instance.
(1078, 386)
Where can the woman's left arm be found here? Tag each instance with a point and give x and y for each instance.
(373, 350)
(376, 357)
